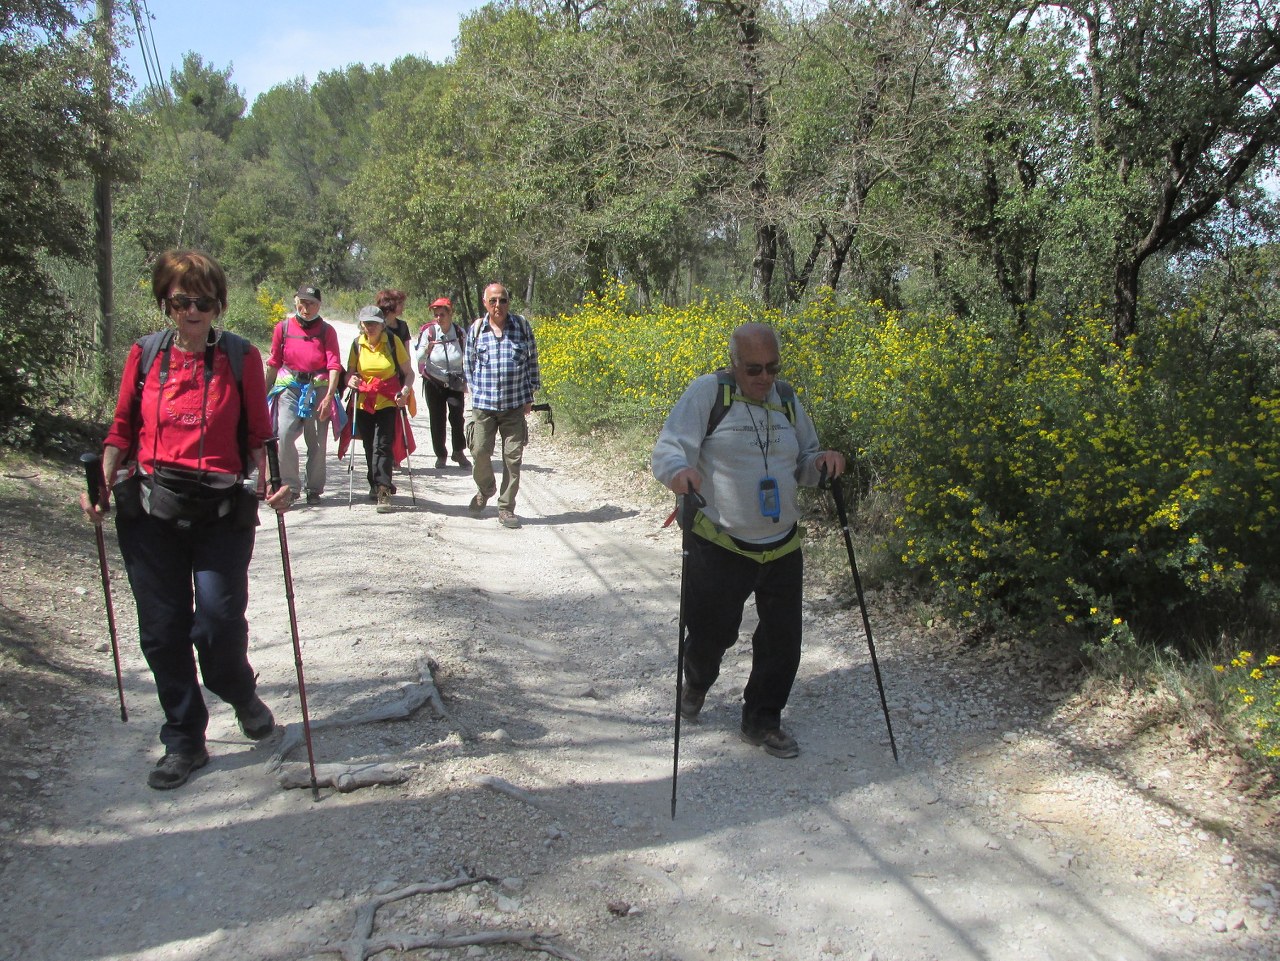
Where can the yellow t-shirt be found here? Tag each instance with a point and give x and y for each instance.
(374, 361)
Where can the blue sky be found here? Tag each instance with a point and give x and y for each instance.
(267, 42)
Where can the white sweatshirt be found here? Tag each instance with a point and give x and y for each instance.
(732, 461)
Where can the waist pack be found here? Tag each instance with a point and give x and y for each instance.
(760, 553)
(180, 498)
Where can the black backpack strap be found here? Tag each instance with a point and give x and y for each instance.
(152, 345)
(726, 387)
(235, 347)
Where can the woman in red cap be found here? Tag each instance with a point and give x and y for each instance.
(439, 350)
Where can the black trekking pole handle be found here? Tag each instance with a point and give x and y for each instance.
(94, 481)
(551, 417)
(833, 485)
(272, 445)
(691, 502)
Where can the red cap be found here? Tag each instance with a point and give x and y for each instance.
(442, 302)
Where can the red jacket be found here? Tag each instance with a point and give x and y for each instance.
(170, 429)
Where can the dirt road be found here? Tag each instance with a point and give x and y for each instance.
(1002, 835)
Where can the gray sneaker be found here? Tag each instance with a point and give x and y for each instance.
(508, 519)
(775, 741)
(691, 701)
(255, 719)
(173, 769)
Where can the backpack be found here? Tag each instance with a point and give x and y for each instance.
(157, 344)
(726, 387)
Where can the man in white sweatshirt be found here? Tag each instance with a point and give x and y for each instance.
(742, 441)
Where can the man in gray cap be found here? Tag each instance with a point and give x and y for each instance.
(302, 378)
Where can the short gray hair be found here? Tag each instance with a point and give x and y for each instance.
(750, 331)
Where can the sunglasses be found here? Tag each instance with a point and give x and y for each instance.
(181, 302)
(497, 300)
(755, 370)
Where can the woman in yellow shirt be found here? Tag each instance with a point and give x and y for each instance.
(384, 386)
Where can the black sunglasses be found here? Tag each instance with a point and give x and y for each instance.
(755, 370)
(181, 302)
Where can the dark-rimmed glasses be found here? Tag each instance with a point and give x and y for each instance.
(180, 302)
(755, 370)
(497, 300)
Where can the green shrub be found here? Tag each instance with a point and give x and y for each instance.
(1053, 480)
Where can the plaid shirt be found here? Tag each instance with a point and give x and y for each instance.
(502, 372)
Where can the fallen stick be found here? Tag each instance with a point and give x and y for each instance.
(509, 789)
(343, 777)
(362, 945)
(412, 697)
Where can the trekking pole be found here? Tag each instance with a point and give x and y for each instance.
(93, 477)
(408, 460)
(833, 485)
(273, 460)
(688, 511)
(351, 464)
(551, 417)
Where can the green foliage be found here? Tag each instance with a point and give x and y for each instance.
(1254, 699)
(1040, 480)
(52, 116)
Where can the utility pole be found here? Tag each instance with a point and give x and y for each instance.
(102, 235)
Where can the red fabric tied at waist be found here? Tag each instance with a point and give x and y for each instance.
(374, 387)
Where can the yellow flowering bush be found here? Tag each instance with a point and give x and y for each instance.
(1255, 688)
(1049, 477)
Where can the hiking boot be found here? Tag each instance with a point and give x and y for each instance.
(441, 463)
(775, 741)
(460, 459)
(691, 701)
(476, 507)
(373, 494)
(173, 769)
(508, 519)
(255, 719)
(313, 497)
(384, 500)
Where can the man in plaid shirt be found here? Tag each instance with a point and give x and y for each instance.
(502, 375)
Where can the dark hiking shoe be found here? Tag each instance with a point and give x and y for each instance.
(461, 460)
(508, 519)
(172, 770)
(775, 741)
(255, 719)
(313, 497)
(441, 463)
(691, 701)
(476, 507)
(384, 500)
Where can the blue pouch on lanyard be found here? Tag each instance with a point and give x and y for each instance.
(770, 505)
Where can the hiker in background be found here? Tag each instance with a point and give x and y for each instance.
(440, 350)
(502, 375)
(383, 385)
(391, 302)
(302, 377)
(187, 429)
(741, 440)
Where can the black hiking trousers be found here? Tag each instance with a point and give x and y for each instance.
(718, 584)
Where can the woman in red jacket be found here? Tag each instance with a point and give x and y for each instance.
(187, 431)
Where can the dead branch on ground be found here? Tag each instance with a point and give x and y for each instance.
(362, 945)
(412, 697)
